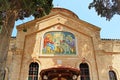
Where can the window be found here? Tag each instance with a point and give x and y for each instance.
(59, 42)
(84, 71)
(112, 75)
(33, 71)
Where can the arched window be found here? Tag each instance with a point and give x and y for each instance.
(84, 71)
(112, 75)
(33, 71)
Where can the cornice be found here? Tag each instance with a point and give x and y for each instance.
(16, 52)
(103, 52)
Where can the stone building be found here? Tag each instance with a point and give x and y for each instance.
(60, 46)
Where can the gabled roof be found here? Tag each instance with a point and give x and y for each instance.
(64, 12)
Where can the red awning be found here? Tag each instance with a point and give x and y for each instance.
(60, 71)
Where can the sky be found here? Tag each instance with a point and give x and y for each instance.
(109, 29)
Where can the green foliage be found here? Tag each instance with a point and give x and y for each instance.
(25, 8)
(0, 28)
(4, 5)
(37, 8)
(106, 8)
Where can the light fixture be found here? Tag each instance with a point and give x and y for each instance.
(45, 77)
(24, 29)
(74, 77)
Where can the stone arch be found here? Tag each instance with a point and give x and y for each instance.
(84, 71)
(112, 75)
(84, 60)
(111, 68)
(34, 60)
(33, 71)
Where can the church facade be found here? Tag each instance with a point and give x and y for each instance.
(60, 46)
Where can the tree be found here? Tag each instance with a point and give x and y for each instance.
(106, 8)
(12, 10)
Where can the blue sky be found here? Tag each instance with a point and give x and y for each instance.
(109, 29)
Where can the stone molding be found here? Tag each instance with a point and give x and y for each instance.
(16, 52)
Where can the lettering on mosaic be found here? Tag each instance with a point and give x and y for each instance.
(58, 42)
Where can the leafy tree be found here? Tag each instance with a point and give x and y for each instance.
(12, 10)
(106, 8)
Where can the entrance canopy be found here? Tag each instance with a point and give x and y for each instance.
(60, 73)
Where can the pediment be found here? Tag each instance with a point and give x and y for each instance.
(65, 22)
(60, 19)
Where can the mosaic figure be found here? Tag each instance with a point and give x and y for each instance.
(59, 43)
